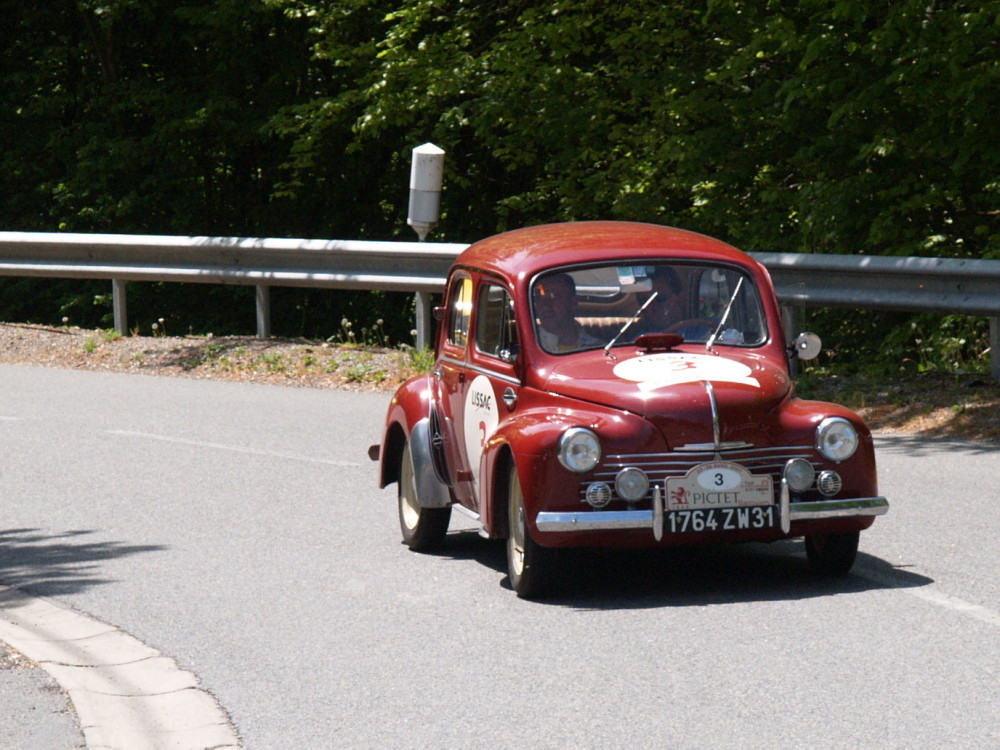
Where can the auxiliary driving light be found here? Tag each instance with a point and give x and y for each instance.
(800, 474)
(631, 484)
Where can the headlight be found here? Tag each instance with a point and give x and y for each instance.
(836, 439)
(579, 449)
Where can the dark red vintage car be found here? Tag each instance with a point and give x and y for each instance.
(607, 383)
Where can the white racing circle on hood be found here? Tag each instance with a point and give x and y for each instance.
(654, 371)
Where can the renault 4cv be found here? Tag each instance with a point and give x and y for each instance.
(621, 384)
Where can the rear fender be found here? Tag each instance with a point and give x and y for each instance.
(431, 492)
(410, 418)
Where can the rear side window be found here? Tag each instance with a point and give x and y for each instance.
(460, 312)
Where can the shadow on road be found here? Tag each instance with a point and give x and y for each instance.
(910, 445)
(48, 564)
(600, 579)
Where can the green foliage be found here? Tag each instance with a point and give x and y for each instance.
(844, 127)
(885, 344)
(421, 360)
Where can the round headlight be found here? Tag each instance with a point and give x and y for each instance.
(631, 484)
(800, 474)
(836, 439)
(579, 449)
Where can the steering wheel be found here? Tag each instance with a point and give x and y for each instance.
(694, 323)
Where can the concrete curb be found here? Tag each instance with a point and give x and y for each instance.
(126, 694)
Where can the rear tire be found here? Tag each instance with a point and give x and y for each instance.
(529, 566)
(424, 529)
(832, 554)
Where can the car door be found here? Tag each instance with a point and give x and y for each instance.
(451, 375)
(476, 373)
(491, 389)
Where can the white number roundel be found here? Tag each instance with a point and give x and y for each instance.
(479, 422)
(719, 479)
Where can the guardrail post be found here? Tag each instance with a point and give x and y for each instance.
(119, 305)
(424, 320)
(263, 311)
(995, 348)
(426, 178)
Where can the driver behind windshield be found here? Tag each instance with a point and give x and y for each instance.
(668, 311)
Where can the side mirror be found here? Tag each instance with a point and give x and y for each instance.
(807, 346)
(438, 313)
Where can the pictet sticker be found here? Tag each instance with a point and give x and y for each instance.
(479, 422)
(654, 371)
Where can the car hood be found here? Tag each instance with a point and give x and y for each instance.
(674, 391)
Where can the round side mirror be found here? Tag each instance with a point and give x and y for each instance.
(807, 346)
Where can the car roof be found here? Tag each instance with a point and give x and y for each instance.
(522, 253)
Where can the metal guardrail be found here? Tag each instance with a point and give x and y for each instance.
(335, 264)
(260, 262)
(946, 285)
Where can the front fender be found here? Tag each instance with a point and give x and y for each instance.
(529, 440)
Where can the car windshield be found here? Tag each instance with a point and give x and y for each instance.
(586, 308)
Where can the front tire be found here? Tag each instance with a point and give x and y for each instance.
(424, 529)
(832, 554)
(529, 565)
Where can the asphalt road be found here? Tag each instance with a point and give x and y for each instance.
(237, 528)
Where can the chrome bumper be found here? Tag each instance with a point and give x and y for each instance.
(600, 520)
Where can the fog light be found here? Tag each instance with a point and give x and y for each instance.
(631, 484)
(800, 474)
(598, 494)
(829, 483)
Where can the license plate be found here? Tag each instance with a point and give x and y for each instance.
(717, 485)
(720, 519)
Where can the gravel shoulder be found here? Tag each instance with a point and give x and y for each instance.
(932, 405)
(291, 362)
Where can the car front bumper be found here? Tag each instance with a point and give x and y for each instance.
(597, 520)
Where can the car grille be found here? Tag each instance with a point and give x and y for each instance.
(659, 466)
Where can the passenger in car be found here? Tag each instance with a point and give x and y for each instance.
(555, 305)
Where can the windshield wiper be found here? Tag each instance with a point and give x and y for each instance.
(629, 322)
(725, 316)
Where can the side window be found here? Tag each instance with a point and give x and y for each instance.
(460, 312)
(496, 333)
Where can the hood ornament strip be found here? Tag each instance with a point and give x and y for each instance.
(716, 429)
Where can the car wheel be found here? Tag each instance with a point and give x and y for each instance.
(528, 564)
(832, 554)
(423, 528)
